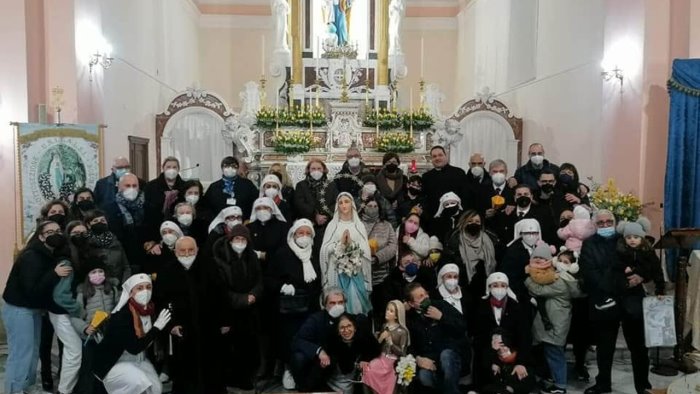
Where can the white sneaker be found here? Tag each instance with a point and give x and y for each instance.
(288, 380)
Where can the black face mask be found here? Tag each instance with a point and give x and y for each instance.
(451, 211)
(564, 223)
(566, 179)
(473, 229)
(59, 218)
(391, 167)
(414, 190)
(523, 201)
(80, 240)
(86, 205)
(547, 188)
(99, 228)
(55, 241)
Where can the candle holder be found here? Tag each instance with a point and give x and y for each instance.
(395, 95)
(290, 101)
(57, 101)
(421, 84)
(263, 92)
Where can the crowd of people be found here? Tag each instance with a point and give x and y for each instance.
(482, 276)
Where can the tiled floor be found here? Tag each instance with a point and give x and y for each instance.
(622, 377)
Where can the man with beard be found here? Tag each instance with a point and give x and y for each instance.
(525, 209)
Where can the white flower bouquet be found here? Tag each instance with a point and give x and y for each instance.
(406, 370)
(349, 259)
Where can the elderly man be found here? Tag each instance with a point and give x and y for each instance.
(530, 172)
(441, 179)
(477, 175)
(106, 188)
(349, 177)
(497, 186)
(310, 364)
(610, 306)
(125, 217)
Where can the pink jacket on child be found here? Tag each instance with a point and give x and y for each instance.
(577, 231)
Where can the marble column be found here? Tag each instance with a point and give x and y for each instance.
(296, 42)
(383, 42)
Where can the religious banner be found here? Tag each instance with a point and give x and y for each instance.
(53, 161)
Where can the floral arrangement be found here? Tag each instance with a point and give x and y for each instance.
(268, 118)
(625, 206)
(349, 260)
(421, 119)
(387, 119)
(395, 142)
(406, 370)
(293, 142)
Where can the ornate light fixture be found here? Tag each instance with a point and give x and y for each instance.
(103, 59)
(615, 72)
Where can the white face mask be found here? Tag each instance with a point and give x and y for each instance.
(238, 247)
(170, 174)
(537, 160)
(354, 162)
(477, 171)
(169, 239)
(271, 192)
(370, 189)
(186, 261)
(498, 178)
(230, 172)
(143, 297)
(531, 239)
(336, 311)
(130, 193)
(185, 219)
(499, 293)
(192, 198)
(232, 223)
(451, 284)
(316, 175)
(303, 241)
(263, 215)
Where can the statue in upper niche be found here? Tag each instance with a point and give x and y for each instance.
(397, 10)
(280, 13)
(337, 13)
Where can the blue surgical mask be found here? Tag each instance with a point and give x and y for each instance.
(606, 232)
(411, 269)
(119, 172)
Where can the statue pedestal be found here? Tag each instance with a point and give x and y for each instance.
(345, 125)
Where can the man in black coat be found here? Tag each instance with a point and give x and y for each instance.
(529, 173)
(437, 331)
(161, 194)
(609, 308)
(497, 186)
(504, 222)
(125, 217)
(350, 176)
(231, 189)
(310, 364)
(441, 179)
(477, 175)
(107, 188)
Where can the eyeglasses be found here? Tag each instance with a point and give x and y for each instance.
(49, 233)
(605, 222)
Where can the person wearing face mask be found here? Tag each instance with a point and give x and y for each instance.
(529, 173)
(349, 178)
(447, 216)
(314, 196)
(237, 284)
(570, 185)
(192, 192)
(551, 199)
(189, 221)
(489, 205)
(160, 196)
(443, 178)
(231, 189)
(370, 191)
(107, 188)
(500, 315)
(525, 208)
(391, 180)
(272, 189)
(412, 238)
(437, 334)
(408, 270)
(55, 211)
(280, 171)
(78, 239)
(472, 248)
(477, 175)
(412, 199)
(103, 244)
(527, 236)
(221, 226)
(181, 287)
(120, 362)
(170, 232)
(125, 218)
(450, 290)
(83, 202)
(293, 281)
(28, 293)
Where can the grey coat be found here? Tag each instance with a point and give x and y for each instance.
(98, 302)
(386, 249)
(558, 297)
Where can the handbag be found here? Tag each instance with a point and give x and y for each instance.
(294, 304)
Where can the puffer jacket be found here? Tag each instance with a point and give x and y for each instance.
(557, 298)
(577, 231)
(100, 301)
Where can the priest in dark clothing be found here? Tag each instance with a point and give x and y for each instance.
(442, 179)
(181, 287)
(231, 189)
(161, 194)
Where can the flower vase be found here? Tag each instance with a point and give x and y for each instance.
(295, 158)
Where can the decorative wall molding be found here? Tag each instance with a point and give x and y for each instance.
(443, 23)
(235, 22)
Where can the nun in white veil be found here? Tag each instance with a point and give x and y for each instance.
(345, 256)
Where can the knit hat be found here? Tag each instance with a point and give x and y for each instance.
(435, 243)
(93, 263)
(239, 230)
(634, 228)
(542, 251)
(580, 212)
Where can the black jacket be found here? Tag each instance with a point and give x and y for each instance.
(515, 323)
(438, 182)
(107, 188)
(32, 278)
(314, 334)
(363, 347)
(154, 214)
(393, 286)
(132, 236)
(350, 182)
(529, 175)
(268, 237)
(504, 225)
(486, 192)
(430, 337)
(244, 192)
(513, 265)
(643, 262)
(120, 336)
(307, 201)
(286, 268)
(598, 260)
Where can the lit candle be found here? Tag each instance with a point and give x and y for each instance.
(262, 57)
(422, 57)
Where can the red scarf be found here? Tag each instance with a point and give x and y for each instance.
(137, 310)
(140, 309)
(496, 303)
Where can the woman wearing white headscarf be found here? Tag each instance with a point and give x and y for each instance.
(271, 187)
(345, 256)
(500, 323)
(446, 217)
(169, 232)
(294, 280)
(120, 361)
(527, 235)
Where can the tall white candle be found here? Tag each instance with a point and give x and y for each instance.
(411, 103)
(422, 57)
(318, 54)
(262, 57)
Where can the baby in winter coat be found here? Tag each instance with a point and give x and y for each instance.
(579, 229)
(636, 257)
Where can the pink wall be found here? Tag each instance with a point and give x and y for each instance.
(59, 27)
(36, 58)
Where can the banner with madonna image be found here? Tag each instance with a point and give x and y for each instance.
(53, 161)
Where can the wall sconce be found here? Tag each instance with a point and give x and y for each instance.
(103, 59)
(616, 72)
